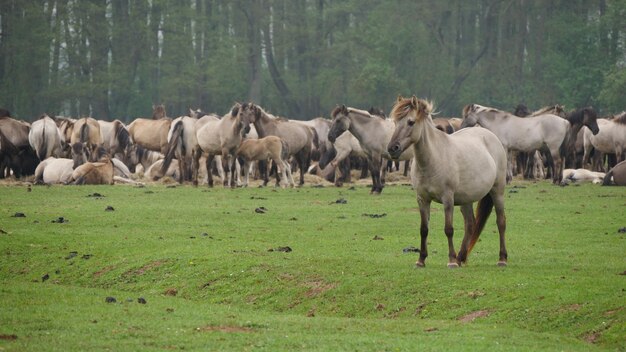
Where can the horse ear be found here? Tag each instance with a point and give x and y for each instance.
(400, 98)
(344, 109)
(415, 103)
(235, 110)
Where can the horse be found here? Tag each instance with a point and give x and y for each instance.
(214, 137)
(373, 134)
(270, 147)
(344, 146)
(66, 127)
(616, 176)
(15, 131)
(522, 134)
(151, 134)
(115, 137)
(155, 171)
(581, 176)
(611, 137)
(138, 155)
(458, 169)
(100, 172)
(158, 112)
(19, 161)
(321, 127)
(45, 138)
(54, 170)
(181, 143)
(300, 138)
(87, 131)
(444, 124)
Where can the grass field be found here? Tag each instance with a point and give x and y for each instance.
(214, 274)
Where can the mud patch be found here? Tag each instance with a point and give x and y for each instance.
(153, 265)
(103, 271)
(468, 318)
(317, 287)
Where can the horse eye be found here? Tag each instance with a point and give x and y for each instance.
(411, 122)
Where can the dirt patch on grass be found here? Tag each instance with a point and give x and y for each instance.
(468, 318)
(103, 271)
(6, 337)
(150, 266)
(225, 328)
(317, 287)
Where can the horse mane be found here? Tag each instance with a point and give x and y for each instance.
(360, 112)
(578, 115)
(620, 118)
(4, 113)
(550, 109)
(521, 110)
(404, 106)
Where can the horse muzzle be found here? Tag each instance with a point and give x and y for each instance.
(395, 150)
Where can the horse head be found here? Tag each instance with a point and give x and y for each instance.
(340, 124)
(590, 119)
(79, 154)
(248, 112)
(410, 116)
(158, 112)
(470, 116)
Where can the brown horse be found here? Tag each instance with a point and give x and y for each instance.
(100, 172)
(270, 147)
(151, 134)
(444, 124)
(300, 138)
(158, 112)
(87, 131)
(616, 176)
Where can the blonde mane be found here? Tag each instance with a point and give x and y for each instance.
(404, 106)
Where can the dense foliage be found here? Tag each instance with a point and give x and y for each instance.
(298, 58)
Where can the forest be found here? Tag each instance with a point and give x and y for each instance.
(114, 59)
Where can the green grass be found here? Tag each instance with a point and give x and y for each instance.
(339, 289)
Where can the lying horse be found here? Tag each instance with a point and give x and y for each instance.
(94, 173)
(581, 176)
(457, 169)
(616, 176)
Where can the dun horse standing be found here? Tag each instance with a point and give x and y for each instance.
(457, 169)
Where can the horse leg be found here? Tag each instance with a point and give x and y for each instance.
(425, 219)
(246, 173)
(195, 166)
(509, 168)
(406, 168)
(498, 202)
(209, 169)
(448, 208)
(469, 220)
(375, 166)
(557, 174)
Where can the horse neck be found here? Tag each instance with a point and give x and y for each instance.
(264, 125)
(359, 125)
(429, 145)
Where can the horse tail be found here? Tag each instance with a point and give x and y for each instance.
(607, 178)
(84, 133)
(567, 144)
(170, 151)
(122, 135)
(42, 148)
(316, 138)
(284, 151)
(483, 210)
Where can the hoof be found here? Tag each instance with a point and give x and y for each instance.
(453, 265)
(420, 265)
(501, 263)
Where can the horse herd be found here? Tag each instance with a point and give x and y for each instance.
(450, 161)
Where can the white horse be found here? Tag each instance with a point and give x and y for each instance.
(457, 169)
(45, 138)
(525, 134)
(610, 139)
